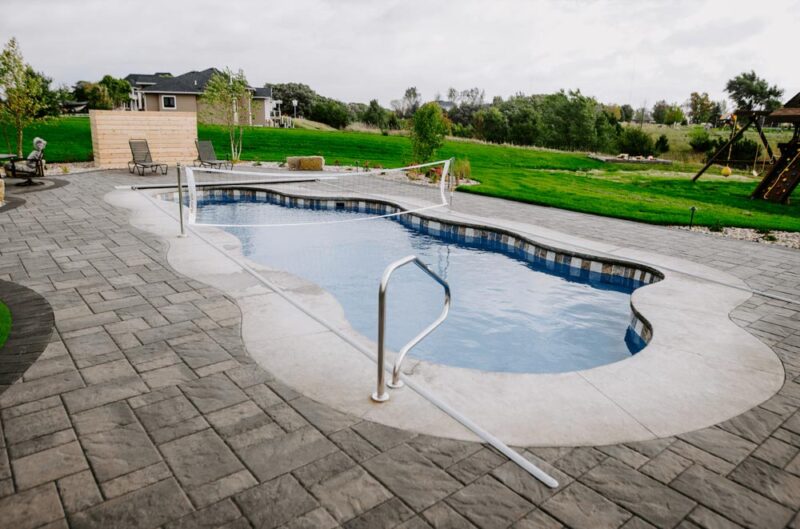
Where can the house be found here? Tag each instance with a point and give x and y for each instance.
(75, 107)
(163, 92)
(138, 82)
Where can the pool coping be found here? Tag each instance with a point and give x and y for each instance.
(683, 380)
(580, 265)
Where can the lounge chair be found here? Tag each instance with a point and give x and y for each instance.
(142, 159)
(208, 158)
(29, 168)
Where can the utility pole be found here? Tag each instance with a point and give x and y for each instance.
(641, 120)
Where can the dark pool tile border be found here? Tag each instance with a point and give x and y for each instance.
(576, 264)
(32, 324)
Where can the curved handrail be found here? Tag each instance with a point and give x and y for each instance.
(380, 395)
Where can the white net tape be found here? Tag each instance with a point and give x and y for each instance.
(376, 193)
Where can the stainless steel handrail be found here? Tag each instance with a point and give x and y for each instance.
(380, 394)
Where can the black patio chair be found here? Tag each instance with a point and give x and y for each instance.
(29, 168)
(142, 160)
(207, 157)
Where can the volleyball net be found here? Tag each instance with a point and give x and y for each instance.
(372, 193)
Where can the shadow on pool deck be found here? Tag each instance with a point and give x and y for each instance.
(153, 415)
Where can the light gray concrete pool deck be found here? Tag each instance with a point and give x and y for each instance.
(148, 409)
(686, 378)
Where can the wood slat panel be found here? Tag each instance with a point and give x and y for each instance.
(170, 135)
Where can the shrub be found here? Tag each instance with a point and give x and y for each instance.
(742, 154)
(331, 112)
(393, 122)
(662, 144)
(376, 115)
(463, 131)
(461, 170)
(635, 141)
(428, 128)
(700, 140)
(491, 125)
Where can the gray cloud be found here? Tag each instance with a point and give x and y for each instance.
(356, 50)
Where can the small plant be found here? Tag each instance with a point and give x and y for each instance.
(716, 227)
(700, 140)
(766, 235)
(224, 94)
(434, 174)
(635, 141)
(65, 169)
(257, 164)
(662, 144)
(461, 170)
(428, 130)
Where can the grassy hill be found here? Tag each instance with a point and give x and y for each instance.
(567, 180)
(681, 151)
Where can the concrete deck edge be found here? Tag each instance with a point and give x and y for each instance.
(686, 378)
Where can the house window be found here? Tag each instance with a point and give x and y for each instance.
(169, 102)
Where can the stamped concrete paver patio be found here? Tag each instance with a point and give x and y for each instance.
(145, 410)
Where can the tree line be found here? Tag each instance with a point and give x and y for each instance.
(566, 120)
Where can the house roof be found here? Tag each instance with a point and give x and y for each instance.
(194, 82)
(144, 79)
(189, 83)
(262, 92)
(793, 102)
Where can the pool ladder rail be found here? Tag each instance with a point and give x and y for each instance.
(380, 394)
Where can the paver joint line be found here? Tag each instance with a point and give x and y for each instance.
(126, 450)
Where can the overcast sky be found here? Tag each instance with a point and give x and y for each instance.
(624, 51)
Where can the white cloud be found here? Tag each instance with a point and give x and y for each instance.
(356, 50)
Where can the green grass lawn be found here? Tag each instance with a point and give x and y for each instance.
(681, 151)
(5, 323)
(661, 195)
(68, 139)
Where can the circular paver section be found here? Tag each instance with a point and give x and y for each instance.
(31, 327)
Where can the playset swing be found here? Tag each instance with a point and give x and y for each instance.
(751, 117)
(781, 174)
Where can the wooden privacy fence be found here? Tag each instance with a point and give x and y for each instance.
(171, 136)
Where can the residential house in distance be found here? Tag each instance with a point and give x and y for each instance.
(140, 81)
(163, 92)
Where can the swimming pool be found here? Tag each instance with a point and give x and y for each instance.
(510, 312)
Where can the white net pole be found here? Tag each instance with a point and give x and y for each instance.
(192, 188)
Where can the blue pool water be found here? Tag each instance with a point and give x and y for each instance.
(507, 314)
